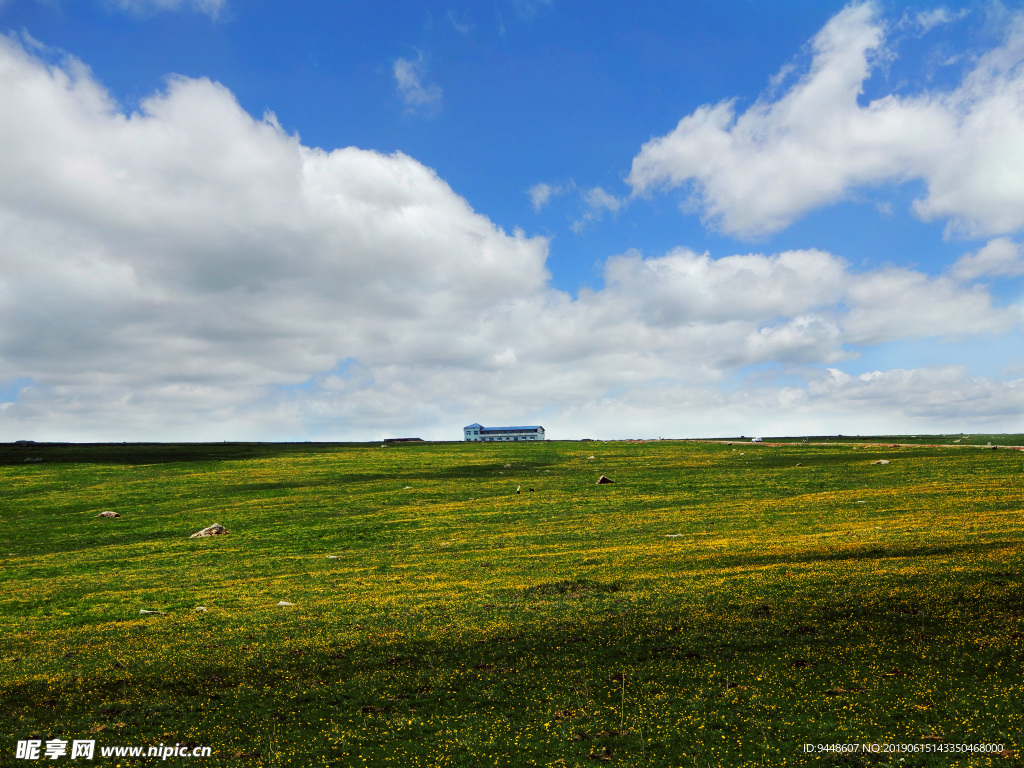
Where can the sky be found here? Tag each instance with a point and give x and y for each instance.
(254, 220)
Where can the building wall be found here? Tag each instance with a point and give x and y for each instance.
(501, 434)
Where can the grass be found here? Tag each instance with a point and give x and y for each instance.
(718, 605)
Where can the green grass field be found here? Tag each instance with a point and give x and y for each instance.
(720, 604)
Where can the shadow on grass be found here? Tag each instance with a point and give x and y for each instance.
(870, 552)
(275, 692)
(154, 453)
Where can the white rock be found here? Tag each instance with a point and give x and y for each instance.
(285, 603)
(214, 530)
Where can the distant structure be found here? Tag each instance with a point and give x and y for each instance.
(477, 433)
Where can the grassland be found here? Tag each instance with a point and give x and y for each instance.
(720, 604)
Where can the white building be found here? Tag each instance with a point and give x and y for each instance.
(481, 434)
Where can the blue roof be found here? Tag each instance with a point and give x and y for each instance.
(487, 429)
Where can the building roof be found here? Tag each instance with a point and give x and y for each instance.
(488, 429)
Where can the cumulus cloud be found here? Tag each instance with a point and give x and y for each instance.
(899, 303)
(684, 286)
(409, 79)
(190, 246)
(999, 257)
(189, 271)
(754, 172)
(942, 393)
(939, 399)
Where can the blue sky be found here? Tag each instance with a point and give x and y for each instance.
(247, 220)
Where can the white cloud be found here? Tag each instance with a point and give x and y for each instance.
(409, 78)
(190, 246)
(999, 257)
(946, 394)
(756, 171)
(600, 200)
(929, 400)
(899, 303)
(597, 201)
(935, 17)
(212, 8)
(527, 9)
(684, 286)
(541, 194)
(462, 26)
(804, 339)
(187, 271)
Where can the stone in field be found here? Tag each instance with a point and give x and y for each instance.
(880, 461)
(214, 530)
(285, 604)
(108, 513)
(602, 480)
